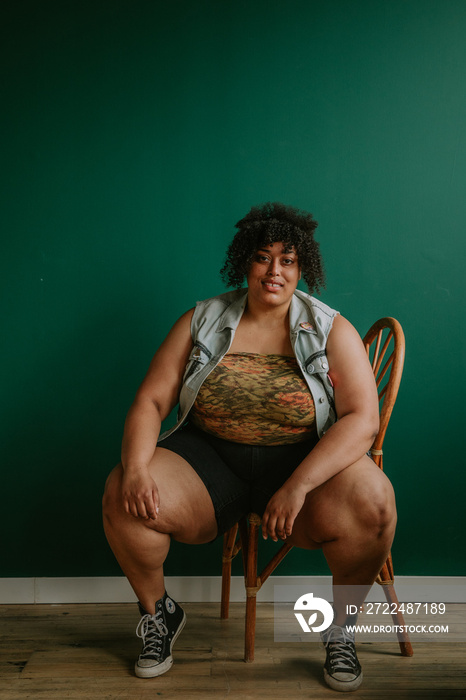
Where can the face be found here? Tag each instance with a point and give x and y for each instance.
(273, 275)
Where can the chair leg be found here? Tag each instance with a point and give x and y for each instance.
(252, 587)
(250, 634)
(228, 547)
(385, 579)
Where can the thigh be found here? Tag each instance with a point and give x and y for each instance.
(356, 496)
(185, 509)
(226, 492)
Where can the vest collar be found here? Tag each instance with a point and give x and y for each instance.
(300, 313)
(301, 316)
(232, 314)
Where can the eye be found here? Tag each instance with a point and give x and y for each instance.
(288, 261)
(262, 258)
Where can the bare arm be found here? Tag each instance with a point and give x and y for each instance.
(347, 440)
(155, 398)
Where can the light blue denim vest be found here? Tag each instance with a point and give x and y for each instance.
(213, 328)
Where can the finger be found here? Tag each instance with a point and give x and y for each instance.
(280, 528)
(272, 528)
(133, 509)
(142, 512)
(289, 526)
(265, 518)
(152, 508)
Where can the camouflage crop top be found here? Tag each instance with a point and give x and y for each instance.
(255, 399)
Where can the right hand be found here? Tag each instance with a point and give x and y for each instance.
(140, 494)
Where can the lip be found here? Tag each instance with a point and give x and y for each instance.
(271, 286)
(272, 283)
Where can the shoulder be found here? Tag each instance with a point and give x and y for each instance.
(315, 305)
(226, 309)
(180, 331)
(344, 338)
(221, 301)
(212, 308)
(342, 327)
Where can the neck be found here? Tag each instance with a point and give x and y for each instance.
(266, 316)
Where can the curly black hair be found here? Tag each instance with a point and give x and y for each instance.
(270, 223)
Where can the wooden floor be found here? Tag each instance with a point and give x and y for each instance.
(55, 652)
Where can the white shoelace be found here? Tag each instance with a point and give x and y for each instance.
(151, 630)
(342, 651)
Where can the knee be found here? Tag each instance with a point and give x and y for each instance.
(113, 511)
(375, 505)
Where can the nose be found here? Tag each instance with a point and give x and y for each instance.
(274, 268)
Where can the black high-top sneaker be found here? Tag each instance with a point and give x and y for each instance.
(342, 670)
(158, 633)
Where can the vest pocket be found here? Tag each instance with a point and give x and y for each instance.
(317, 362)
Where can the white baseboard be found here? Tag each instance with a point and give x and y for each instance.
(201, 589)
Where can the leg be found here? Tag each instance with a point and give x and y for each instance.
(352, 517)
(141, 546)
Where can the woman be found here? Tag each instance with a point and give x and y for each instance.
(278, 408)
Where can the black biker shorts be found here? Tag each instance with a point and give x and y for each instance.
(240, 478)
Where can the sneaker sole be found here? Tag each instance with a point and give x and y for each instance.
(342, 686)
(159, 669)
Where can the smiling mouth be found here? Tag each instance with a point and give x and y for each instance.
(273, 285)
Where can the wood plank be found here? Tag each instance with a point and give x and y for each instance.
(87, 652)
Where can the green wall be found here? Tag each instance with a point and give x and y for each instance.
(135, 133)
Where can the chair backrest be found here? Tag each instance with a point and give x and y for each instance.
(385, 346)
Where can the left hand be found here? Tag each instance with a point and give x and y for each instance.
(281, 512)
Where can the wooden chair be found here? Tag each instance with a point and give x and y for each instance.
(385, 346)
